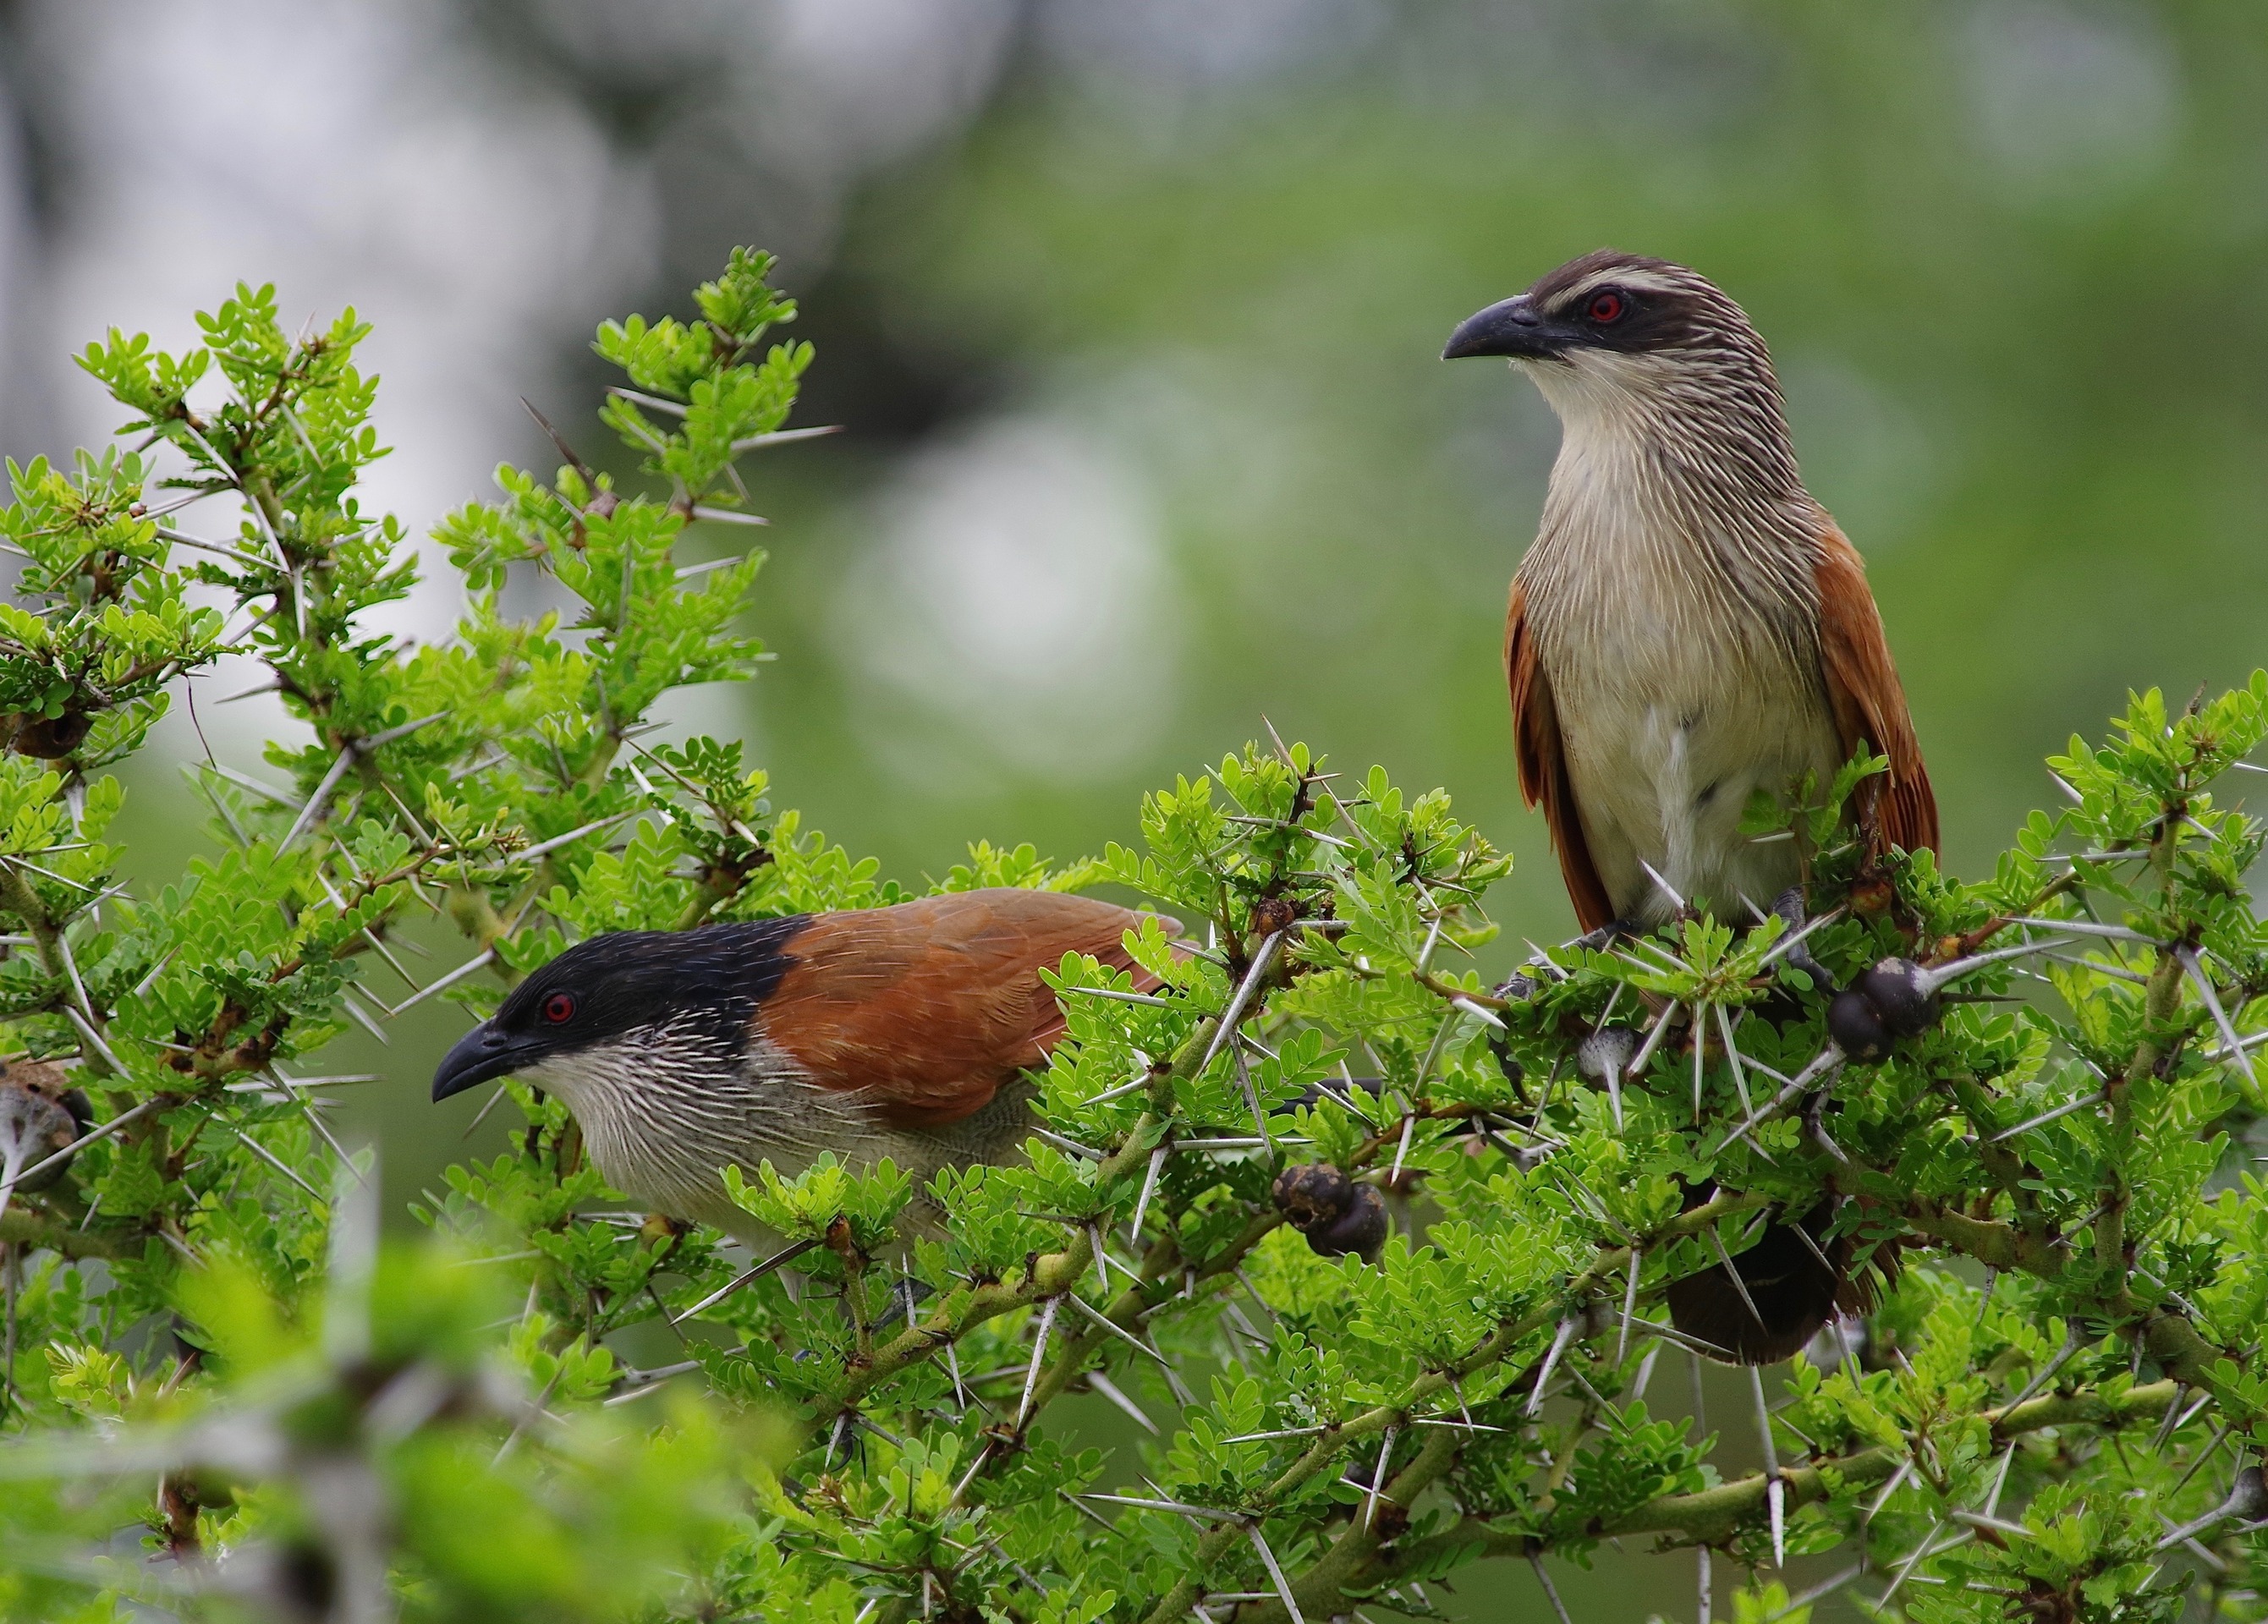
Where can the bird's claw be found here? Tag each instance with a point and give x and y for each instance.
(1790, 907)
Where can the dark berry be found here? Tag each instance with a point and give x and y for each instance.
(1900, 992)
(1312, 1195)
(1857, 1026)
(1360, 1229)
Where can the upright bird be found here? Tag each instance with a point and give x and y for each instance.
(1690, 626)
(902, 1032)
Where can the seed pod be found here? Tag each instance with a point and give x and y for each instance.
(1313, 1196)
(1606, 1053)
(1360, 1229)
(1871, 898)
(1857, 1026)
(1901, 993)
(1270, 914)
(49, 736)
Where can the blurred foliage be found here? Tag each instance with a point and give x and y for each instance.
(2008, 253)
(227, 1399)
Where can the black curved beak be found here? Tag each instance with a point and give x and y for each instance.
(1510, 328)
(481, 1053)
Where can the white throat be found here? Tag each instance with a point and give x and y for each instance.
(663, 1114)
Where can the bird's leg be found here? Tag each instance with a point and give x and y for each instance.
(1607, 935)
(1789, 905)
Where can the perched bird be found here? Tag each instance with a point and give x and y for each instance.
(1690, 627)
(902, 1032)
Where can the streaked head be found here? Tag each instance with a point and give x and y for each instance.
(1633, 352)
(1612, 330)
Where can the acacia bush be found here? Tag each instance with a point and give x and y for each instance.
(228, 1396)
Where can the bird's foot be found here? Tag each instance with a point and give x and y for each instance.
(1789, 905)
(1607, 935)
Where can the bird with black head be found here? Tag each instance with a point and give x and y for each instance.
(906, 1031)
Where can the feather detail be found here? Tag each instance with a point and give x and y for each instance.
(927, 1007)
(1543, 767)
(1863, 687)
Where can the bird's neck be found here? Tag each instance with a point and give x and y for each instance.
(1664, 490)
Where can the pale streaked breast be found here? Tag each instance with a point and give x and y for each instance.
(1677, 697)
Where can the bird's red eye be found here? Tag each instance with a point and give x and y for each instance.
(559, 1008)
(1607, 308)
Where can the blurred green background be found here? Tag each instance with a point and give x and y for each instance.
(1145, 436)
(1129, 309)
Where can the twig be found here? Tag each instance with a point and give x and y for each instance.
(1116, 1330)
(1629, 1303)
(1109, 1390)
(1734, 1275)
(2045, 1117)
(1149, 1187)
(1646, 1050)
(2072, 1341)
(1775, 1487)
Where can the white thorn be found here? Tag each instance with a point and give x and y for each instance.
(1543, 1373)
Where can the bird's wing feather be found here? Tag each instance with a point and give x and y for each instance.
(928, 1007)
(1862, 686)
(1543, 765)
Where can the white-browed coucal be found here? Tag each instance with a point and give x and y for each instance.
(1690, 626)
(904, 1031)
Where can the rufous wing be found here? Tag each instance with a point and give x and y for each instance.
(1542, 762)
(1862, 686)
(928, 1007)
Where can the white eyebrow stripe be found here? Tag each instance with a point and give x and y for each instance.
(1634, 279)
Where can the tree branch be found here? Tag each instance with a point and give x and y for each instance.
(1712, 1515)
